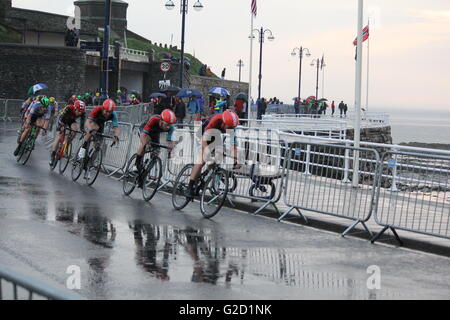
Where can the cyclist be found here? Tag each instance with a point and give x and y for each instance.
(39, 113)
(55, 110)
(150, 131)
(72, 99)
(96, 122)
(227, 120)
(68, 118)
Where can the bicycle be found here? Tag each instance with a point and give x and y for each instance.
(92, 162)
(212, 186)
(149, 177)
(28, 145)
(64, 151)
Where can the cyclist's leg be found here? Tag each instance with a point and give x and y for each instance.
(91, 130)
(144, 138)
(75, 127)
(30, 120)
(59, 132)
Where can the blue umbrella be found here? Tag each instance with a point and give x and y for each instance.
(187, 93)
(158, 95)
(37, 87)
(220, 91)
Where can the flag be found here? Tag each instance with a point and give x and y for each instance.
(254, 7)
(322, 62)
(365, 35)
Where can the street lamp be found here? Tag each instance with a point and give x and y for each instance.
(300, 55)
(240, 64)
(318, 64)
(261, 34)
(183, 10)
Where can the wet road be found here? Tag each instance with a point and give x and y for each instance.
(129, 249)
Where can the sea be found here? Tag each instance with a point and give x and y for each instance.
(418, 125)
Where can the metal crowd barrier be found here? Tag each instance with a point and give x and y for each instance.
(12, 109)
(116, 157)
(315, 181)
(24, 287)
(413, 194)
(3, 109)
(260, 177)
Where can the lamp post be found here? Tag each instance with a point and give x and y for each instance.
(240, 64)
(105, 53)
(183, 10)
(318, 64)
(261, 33)
(300, 55)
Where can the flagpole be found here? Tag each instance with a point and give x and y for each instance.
(249, 98)
(368, 66)
(357, 129)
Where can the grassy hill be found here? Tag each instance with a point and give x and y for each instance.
(145, 46)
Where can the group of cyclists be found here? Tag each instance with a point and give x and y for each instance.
(38, 112)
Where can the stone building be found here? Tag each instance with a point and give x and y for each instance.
(43, 57)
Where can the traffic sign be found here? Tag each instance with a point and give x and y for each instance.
(164, 84)
(165, 66)
(91, 46)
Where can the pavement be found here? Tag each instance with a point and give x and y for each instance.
(126, 248)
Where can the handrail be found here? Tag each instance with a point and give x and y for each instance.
(35, 286)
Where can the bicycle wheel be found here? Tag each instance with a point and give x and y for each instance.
(27, 149)
(152, 179)
(214, 193)
(77, 166)
(93, 167)
(129, 179)
(179, 201)
(64, 161)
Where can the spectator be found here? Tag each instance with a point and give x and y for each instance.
(158, 106)
(192, 109)
(180, 110)
(239, 108)
(332, 108)
(223, 73)
(297, 106)
(345, 110)
(341, 108)
(264, 107)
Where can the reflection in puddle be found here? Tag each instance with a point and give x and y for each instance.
(162, 249)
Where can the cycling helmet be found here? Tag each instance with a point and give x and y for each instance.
(80, 106)
(230, 118)
(45, 101)
(109, 105)
(86, 94)
(168, 116)
(79, 97)
(52, 99)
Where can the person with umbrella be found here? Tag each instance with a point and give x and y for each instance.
(180, 110)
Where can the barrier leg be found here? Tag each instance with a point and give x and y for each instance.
(378, 235)
(286, 213)
(383, 231)
(263, 207)
(353, 226)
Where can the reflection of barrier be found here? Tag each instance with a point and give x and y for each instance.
(31, 287)
(314, 181)
(416, 196)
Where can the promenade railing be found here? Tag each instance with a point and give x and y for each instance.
(17, 286)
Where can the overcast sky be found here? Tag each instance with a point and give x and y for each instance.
(410, 44)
